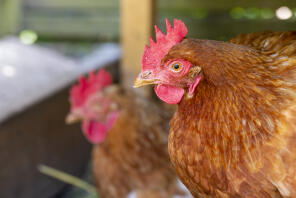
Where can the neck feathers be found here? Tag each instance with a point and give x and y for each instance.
(239, 103)
(230, 122)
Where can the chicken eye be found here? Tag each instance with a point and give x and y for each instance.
(176, 67)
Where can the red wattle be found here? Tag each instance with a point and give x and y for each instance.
(94, 131)
(169, 94)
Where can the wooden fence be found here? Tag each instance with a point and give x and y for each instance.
(99, 19)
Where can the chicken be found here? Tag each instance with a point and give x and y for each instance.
(130, 135)
(234, 132)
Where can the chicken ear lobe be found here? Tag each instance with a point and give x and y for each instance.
(111, 120)
(193, 86)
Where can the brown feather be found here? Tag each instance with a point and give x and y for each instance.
(236, 136)
(134, 156)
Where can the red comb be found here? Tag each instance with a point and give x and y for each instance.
(152, 56)
(87, 87)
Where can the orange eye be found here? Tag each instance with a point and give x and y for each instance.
(176, 67)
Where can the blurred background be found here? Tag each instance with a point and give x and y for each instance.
(99, 20)
(46, 44)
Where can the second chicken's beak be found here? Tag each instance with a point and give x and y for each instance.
(143, 79)
(72, 118)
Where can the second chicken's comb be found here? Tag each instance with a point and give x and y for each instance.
(88, 86)
(152, 55)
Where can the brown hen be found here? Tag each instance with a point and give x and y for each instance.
(234, 133)
(130, 133)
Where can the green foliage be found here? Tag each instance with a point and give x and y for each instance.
(28, 37)
(237, 12)
(267, 13)
(252, 13)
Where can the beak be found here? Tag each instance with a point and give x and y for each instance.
(142, 82)
(72, 118)
(143, 79)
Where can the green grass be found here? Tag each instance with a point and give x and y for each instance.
(69, 179)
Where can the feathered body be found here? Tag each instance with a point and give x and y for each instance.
(134, 156)
(235, 134)
(130, 155)
(242, 141)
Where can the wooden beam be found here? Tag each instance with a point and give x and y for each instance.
(137, 20)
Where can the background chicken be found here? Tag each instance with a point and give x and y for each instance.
(130, 157)
(234, 131)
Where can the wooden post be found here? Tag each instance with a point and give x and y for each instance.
(137, 20)
(10, 11)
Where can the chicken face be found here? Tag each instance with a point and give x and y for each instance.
(173, 76)
(88, 104)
